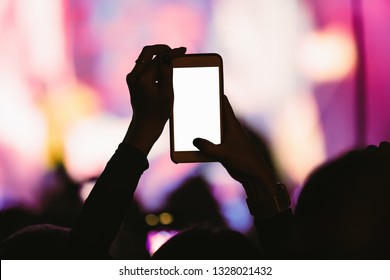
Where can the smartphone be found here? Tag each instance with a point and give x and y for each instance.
(198, 91)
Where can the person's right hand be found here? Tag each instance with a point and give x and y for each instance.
(239, 156)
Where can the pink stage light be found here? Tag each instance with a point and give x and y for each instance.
(155, 239)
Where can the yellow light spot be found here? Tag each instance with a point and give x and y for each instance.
(64, 107)
(151, 219)
(166, 218)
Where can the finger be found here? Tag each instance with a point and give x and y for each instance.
(176, 52)
(145, 57)
(229, 118)
(151, 68)
(160, 70)
(148, 52)
(166, 71)
(207, 148)
(165, 81)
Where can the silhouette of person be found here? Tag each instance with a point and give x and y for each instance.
(151, 93)
(268, 200)
(40, 241)
(193, 204)
(206, 243)
(343, 211)
(204, 233)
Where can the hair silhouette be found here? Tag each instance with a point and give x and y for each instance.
(203, 244)
(44, 241)
(343, 211)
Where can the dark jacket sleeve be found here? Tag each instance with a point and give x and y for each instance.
(276, 234)
(106, 206)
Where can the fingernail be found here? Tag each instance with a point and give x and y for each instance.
(166, 59)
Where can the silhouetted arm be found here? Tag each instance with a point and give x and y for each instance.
(151, 94)
(267, 200)
(276, 234)
(107, 204)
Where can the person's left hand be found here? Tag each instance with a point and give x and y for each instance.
(151, 94)
(240, 157)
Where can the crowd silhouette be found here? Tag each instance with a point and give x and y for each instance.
(343, 211)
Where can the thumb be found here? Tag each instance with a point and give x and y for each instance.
(206, 147)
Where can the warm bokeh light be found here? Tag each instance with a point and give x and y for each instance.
(165, 218)
(63, 109)
(90, 143)
(86, 189)
(292, 141)
(151, 220)
(328, 54)
(259, 41)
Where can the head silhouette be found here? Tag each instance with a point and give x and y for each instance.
(343, 211)
(202, 244)
(43, 241)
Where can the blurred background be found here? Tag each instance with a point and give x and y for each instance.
(308, 77)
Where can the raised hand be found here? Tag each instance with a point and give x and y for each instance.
(151, 94)
(239, 156)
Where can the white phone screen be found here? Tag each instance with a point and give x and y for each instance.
(196, 108)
